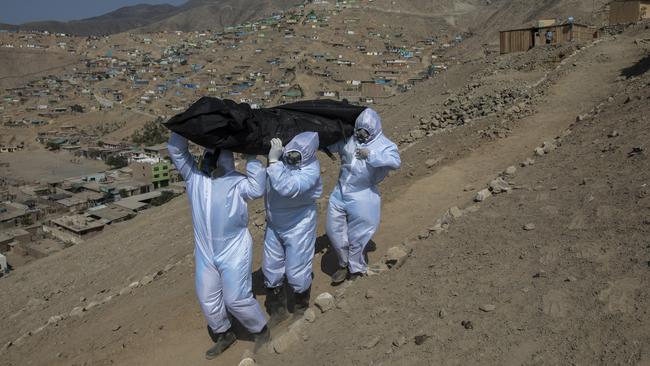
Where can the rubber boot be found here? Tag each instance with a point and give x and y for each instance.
(276, 305)
(301, 301)
(221, 342)
(261, 338)
(355, 276)
(340, 275)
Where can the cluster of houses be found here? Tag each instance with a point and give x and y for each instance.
(561, 31)
(38, 219)
(256, 62)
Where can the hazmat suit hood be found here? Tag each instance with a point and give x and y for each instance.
(370, 121)
(226, 161)
(306, 143)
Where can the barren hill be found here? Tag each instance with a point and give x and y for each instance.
(551, 267)
(117, 21)
(193, 15)
(569, 288)
(214, 15)
(22, 65)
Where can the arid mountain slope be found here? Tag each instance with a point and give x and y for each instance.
(117, 21)
(215, 15)
(587, 200)
(193, 15)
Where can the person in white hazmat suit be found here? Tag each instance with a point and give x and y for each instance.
(355, 204)
(294, 184)
(223, 252)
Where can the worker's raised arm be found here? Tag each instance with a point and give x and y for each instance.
(255, 183)
(179, 153)
(386, 156)
(291, 183)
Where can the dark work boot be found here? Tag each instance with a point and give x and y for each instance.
(221, 342)
(301, 301)
(356, 275)
(276, 305)
(340, 275)
(261, 338)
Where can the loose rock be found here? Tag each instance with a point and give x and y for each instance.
(482, 195)
(499, 185)
(394, 256)
(548, 147)
(372, 343)
(147, 279)
(325, 302)
(527, 162)
(467, 324)
(77, 311)
(487, 308)
(310, 315)
(529, 227)
(510, 171)
(247, 362)
(455, 212)
(54, 319)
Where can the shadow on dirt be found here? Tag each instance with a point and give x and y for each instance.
(329, 262)
(639, 68)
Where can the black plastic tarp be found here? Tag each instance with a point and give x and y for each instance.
(224, 124)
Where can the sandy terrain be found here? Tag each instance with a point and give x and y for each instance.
(570, 290)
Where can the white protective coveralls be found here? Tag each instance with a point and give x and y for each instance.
(355, 203)
(291, 216)
(223, 245)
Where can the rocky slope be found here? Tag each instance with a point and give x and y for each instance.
(549, 269)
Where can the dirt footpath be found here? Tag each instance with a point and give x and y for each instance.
(554, 272)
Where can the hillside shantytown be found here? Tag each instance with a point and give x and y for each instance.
(514, 231)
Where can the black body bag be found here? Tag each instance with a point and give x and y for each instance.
(223, 124)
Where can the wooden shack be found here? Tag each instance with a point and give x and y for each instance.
(521, 40)
(628, 11)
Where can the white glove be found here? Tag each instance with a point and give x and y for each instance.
(276, 150)
(362, 153)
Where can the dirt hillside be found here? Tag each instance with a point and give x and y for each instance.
(569, 290)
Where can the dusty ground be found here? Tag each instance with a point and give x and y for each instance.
(572, 291)
(43, 165)
(22, 65)
(586, 304)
